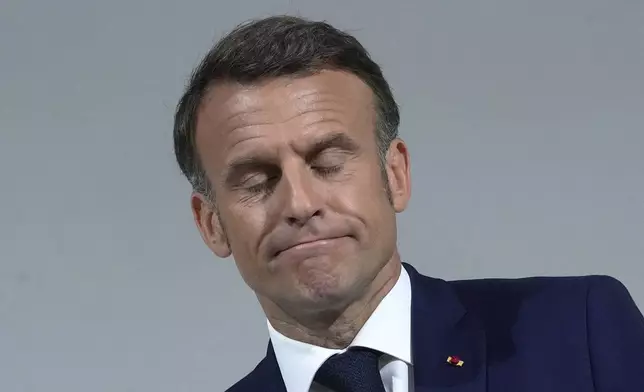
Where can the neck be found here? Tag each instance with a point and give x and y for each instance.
(338, 327)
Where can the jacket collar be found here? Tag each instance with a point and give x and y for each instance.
(440, 327)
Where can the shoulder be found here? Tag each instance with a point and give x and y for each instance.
(613, 316)
(525, 304)
(540, 298)
(607, 292)
(615, 330)
(252, 381)
(547, 287)
(265, 377)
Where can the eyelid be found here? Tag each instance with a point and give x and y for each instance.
(338, 146)
(334, 154)
(338, 141)
(241, 171)
(249, 177)
(239, 167)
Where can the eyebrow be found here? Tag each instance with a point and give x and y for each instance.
(241, 165)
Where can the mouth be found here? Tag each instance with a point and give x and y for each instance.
(305, 246)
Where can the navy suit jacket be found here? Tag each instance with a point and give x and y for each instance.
(567, 334)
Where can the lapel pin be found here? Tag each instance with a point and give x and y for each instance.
(455, 361)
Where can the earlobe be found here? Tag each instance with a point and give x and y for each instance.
(210, 226)
(399, 174)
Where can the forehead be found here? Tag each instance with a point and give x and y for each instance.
(235, 117)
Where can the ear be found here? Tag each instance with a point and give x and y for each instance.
(399, 174)
(209, 224)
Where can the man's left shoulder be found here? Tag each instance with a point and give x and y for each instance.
(575, 286)
(542, 297)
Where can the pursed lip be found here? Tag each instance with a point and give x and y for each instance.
(302, 243)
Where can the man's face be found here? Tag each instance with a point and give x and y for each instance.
(302, 204)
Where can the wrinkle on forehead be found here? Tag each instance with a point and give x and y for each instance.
(278, 100)
(232, 113)
(276, 108)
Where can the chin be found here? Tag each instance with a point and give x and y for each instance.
(327, 288)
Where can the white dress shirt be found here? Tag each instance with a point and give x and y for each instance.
(387, 330)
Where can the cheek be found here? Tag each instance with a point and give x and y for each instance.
(372, 185)
(244, 231)
(364, 196)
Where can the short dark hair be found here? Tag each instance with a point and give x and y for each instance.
(269, 48)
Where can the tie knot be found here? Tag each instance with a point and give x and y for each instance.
(355, 370)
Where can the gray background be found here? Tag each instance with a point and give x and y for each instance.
(526, 126)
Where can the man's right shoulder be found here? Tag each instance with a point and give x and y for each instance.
(250, 381)
(265, 377)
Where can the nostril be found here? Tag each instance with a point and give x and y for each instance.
(302, 218)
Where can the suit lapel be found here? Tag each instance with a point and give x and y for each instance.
(441, 327)
(267, 376)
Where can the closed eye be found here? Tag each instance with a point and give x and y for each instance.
(259, 182)
(326, 171)
(330, 161)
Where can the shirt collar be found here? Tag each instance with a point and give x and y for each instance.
(387, 330)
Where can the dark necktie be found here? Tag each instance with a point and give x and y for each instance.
(355, 370)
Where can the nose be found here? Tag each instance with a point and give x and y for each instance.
(300, 195)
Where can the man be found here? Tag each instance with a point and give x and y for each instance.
(288, 133)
